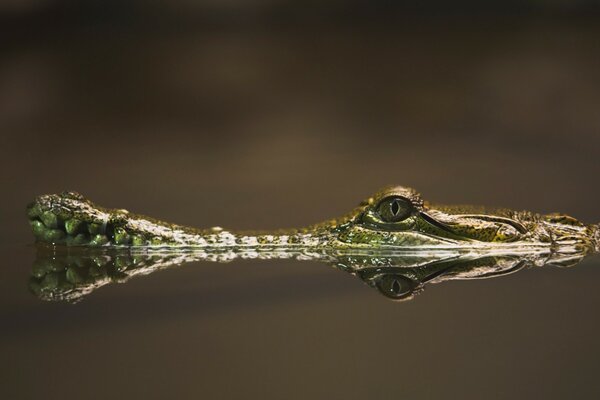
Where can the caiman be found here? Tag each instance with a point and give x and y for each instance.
(394, 219)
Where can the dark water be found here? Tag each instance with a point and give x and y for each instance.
(251, 125)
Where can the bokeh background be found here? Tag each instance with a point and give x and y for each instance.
(266, 114)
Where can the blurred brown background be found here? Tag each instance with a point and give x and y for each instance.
(265, 114)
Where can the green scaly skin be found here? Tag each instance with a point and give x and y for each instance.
(395, 218)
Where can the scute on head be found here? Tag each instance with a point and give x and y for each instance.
(409, 194)
(72, 195)
(596, 235)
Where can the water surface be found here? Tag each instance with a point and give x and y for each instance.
(268, 126)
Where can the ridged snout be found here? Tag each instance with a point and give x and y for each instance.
(67, 218)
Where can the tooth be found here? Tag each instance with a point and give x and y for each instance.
(72, 226)
(49, 219)
(34, 211)
(37, 227)
(121, 236)
(94, 228)
(138, 240)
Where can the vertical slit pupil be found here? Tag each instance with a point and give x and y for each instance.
(396, 287)
(395, 207)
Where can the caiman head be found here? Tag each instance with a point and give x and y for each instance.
(397, 217)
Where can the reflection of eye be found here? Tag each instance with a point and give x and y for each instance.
(395, 286)
(394, 209)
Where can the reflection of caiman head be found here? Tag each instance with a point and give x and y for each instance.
(402, 277)
(67, 274)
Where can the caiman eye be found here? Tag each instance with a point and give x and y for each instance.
(394, 209)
